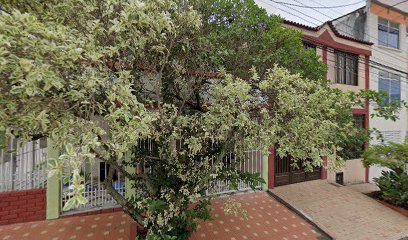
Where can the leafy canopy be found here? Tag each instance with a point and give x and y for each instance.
(391, 155)
(198, 79)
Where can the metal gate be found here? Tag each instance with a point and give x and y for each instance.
(94, 175)
(286, 174)
(252, 164)
(98, 198)
(23, 165)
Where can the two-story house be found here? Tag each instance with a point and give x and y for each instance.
(384, 23)
(347, 59)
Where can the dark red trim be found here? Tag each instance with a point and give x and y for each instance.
(323, 174)
(325, 39)
(271, 167)
(367, 116)
(367, 174)
(367, 72)
(133, 230)
(359, 111)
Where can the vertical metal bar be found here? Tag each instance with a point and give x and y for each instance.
(92, 190)
(25, 159)
(12, 167)
(32, 164)
(104, 190)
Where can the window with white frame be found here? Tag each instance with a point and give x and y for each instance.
(346, 66)
(388, 33)
(391, 84)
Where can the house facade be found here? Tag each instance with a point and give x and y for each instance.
(28, 193)
(347, 59)
(384, 23)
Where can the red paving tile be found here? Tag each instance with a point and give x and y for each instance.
(267, 220)
(109, 226)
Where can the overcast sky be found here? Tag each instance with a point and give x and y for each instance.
(311, 17)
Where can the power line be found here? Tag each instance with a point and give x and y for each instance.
(399, 3)
(364, 33)
(323, 7)
(372, 63)
(299, 16)
(321, 22)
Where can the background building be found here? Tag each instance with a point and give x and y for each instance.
(347, 59)
(385, 24)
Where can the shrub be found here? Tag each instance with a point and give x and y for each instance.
(394, 188)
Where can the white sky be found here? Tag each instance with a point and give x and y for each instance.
(308, 16)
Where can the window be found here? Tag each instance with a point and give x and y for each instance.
(353, 147)
(391, 84)
(388, 33)
(308, 45)
(346, 66)
(359, 120)
(359, 147)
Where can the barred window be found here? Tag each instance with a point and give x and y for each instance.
(346, 66)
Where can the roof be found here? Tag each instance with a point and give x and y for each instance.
(330, 24)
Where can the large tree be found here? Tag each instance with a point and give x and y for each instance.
(196, 78)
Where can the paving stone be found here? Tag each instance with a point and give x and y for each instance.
(107, 226)
(344, 212)
(267, 220)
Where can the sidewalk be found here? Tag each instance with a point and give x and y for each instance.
(344, 213)
(109, 226)
(267, 220)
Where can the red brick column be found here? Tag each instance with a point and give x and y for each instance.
(22, 206)
(324, 170)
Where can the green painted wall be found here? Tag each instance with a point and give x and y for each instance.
(265, 171)
(53, 187)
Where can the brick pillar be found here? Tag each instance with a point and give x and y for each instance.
(324, 169)
(271, 168)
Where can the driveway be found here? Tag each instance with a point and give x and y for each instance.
(343, 212)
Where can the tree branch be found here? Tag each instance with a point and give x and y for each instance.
(127, 207)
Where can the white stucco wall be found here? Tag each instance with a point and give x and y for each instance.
(353, 172)
(395, 58)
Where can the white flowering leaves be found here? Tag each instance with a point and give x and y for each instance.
(305, 117)
(98, 82)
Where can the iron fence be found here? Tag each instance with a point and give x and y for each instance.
(23, 165)
(94, 175)
(252, 163)
(98, 198)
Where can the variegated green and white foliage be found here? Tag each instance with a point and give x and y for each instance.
(97, 76)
